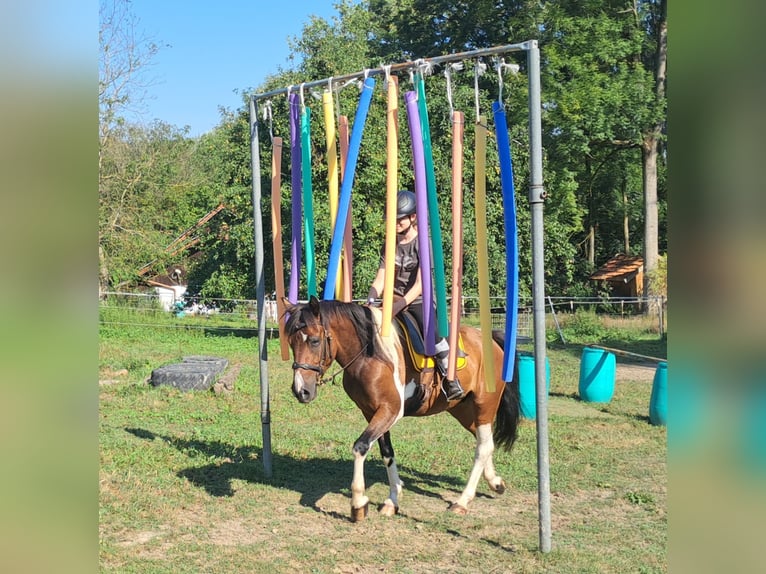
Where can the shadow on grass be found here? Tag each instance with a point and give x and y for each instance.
(313, 478)
(242, 332)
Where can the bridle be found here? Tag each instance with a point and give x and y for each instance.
(322, 366)
(325, 354)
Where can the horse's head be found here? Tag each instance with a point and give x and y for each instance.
(310, 342)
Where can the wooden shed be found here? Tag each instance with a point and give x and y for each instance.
(624, 273)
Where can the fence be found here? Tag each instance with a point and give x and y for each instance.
(148, 310)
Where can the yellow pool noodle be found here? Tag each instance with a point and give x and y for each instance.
(328, 107)
(482, 253)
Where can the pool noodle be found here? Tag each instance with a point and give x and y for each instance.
(511, 242)
(346, 185)
(416, 136)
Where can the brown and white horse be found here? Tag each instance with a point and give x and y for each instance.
(380, 378)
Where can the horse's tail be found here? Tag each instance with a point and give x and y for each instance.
(507, 421)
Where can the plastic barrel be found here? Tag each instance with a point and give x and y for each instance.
(527, 396)
(597, 371)
(658, 403)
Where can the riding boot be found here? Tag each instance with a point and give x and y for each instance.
(451, 388)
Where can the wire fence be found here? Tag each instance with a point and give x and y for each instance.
(150, 310)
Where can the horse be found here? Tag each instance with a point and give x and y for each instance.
(380, 378)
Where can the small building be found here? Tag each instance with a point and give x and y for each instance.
(624, 273)
(170, 287)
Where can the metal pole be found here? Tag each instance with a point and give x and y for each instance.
(536, 198)
(260, 289)
(403, 66)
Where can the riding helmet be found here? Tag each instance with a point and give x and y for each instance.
(405, 204)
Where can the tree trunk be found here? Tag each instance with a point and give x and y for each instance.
(651, 224)
(625, 221)
(649, 148)
(103, 272)
(591, 245)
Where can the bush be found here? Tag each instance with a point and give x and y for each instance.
(584, 325)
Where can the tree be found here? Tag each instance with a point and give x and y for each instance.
(152, 187)
(655, 56)
(604, 82)
(600, 103)
(124, 56)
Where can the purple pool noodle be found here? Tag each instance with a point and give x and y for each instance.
(295, 161)
(418, 159)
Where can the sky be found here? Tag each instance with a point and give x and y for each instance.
(213, 51)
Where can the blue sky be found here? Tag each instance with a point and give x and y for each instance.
(215, 49)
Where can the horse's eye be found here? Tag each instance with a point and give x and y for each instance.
(314, 341)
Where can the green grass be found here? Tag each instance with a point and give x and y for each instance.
(183, 489)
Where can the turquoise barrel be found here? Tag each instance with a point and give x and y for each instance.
(658, 403)
(597, 371)
(527, 396)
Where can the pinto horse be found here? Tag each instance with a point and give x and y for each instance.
(379, 376)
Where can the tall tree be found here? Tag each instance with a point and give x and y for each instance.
(599, 102)
(151, 189)
(655, 56)
(124, 56)
(605, 75)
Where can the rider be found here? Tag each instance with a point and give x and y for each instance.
(408, 284)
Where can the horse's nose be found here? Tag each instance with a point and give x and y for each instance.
(303, 395)
(302, 390)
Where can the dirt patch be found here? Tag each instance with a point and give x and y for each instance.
(566, 407)
(135, 538)
(111, 377)
(237, 532)
(635, 372)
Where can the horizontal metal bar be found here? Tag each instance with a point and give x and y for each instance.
(496, 50)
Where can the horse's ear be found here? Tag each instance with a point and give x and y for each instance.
(289, 307)
(314, 305)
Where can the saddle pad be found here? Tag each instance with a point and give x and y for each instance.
(414, 343)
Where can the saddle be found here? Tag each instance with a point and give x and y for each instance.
(412, 337)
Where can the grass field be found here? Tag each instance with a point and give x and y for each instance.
(182, 485)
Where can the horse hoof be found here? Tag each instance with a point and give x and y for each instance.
(359, 514)
(499, 488)
(388, 510)
(456, 508)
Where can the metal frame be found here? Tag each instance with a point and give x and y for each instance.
(536, 198)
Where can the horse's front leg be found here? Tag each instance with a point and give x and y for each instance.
(391, 504)
(378, 426)
(359, 501)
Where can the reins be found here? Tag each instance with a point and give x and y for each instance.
(323, 380)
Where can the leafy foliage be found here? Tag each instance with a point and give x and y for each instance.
(598, 103)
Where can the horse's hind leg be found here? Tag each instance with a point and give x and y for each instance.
(495, 482)
(391, 504)
(485, 446)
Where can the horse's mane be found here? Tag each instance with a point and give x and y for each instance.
(366, 324)
(360, 317)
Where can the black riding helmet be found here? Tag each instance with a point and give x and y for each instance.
(405, 204)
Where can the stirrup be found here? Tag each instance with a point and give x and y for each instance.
(452, 389)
